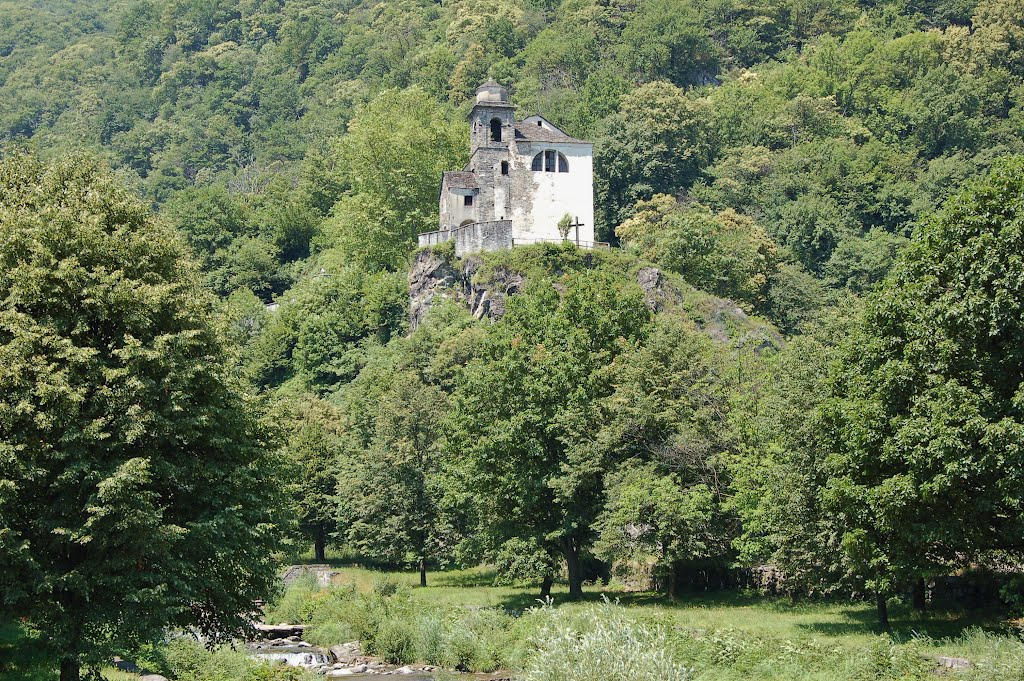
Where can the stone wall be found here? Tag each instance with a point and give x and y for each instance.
(479, 236)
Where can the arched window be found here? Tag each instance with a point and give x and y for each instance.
(549, 161)
(495, 129)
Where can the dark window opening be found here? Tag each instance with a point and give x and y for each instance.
(549, 161)
(495, 129)
(563, 165)
(538, 162)
(467, 200)
(539, 125)
(504, 167)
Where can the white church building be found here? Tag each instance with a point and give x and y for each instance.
(526, 182)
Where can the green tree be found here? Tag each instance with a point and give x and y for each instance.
(526, 407)
(396, 486)
(667, 420)
(924, 466)
(136, 487)
(725, 253)
(313, 447)
(390, 480)
(391, 158)
(650, 514)
(656, 143)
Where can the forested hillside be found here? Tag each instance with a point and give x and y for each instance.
(803, 353)
(800, 141)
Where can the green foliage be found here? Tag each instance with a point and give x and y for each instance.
(726, 253)
(322, 332)
(313, 447)
(655, 144)
(396, 148)
(525, 405)
(394, 478)
(129, 459)
(185, 659)
(912, 462)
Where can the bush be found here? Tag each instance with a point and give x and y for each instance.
(394, 641)
(1012, 594)
(598, 644)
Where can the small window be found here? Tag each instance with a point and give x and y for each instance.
(538, 162)
(563, 165)
(549, 161)
(495, 129)
(467, 200)
(504, 167)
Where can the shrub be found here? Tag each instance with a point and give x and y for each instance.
(394, 641)
(289, 607)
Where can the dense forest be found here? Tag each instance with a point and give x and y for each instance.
(825, 375)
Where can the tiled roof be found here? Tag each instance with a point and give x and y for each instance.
(460, 179)
(531, 132)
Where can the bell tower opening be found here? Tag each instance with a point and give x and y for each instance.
(495, 129)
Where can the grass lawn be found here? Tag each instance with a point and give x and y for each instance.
(846, 624)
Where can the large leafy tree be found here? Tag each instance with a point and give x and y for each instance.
(925, 467)
(527, 405)
(135, 486)
(656, 143)
(396, 493)
(389, 161)
(666, 422)
(313, 447)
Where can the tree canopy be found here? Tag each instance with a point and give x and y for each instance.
(136, 490)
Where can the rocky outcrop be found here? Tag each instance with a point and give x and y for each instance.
(488, 301)
(656, 294)
(431, 277)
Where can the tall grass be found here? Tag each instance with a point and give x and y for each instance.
(599, 643)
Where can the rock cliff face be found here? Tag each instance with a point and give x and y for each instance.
(433, 278)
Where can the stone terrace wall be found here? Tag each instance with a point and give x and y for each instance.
(479, 236)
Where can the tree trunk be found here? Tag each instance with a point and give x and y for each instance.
(69, 669)
(572, 563)
(545, 587)
(423, 570)
(320, 543)
(672, 580)
(881, 603)
(918, 595)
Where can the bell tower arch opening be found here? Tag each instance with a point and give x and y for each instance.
(496, 129)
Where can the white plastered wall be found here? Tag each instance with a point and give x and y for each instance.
(555, 194)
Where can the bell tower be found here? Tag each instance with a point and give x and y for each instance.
(492, 118)
(491, 136)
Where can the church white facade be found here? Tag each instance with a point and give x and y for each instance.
(526, 182)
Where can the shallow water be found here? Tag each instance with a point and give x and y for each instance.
(294, 656)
